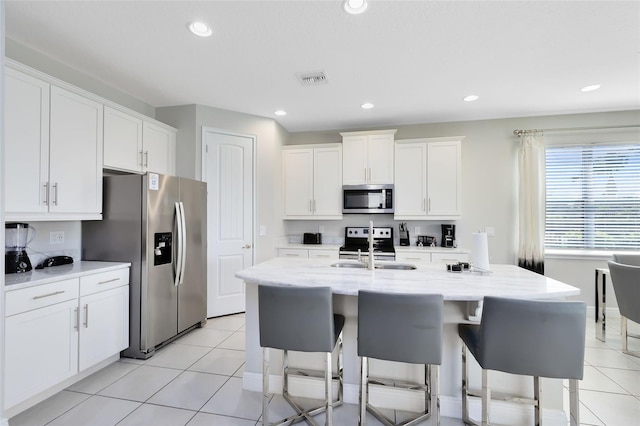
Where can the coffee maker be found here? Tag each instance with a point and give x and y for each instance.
(16, 238)
(448, 235)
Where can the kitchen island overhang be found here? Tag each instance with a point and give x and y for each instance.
(462, 293)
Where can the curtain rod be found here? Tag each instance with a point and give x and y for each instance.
(520, 132)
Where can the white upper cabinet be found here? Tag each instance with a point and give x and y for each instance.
(428, 178)
(75, 154)
(159, 148)
(136, 145)
(122, 141)
(312, 182)
(26, 162)
(368, 157)
(53, 145)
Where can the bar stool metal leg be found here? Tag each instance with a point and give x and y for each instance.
(574, 403)
(434, 391)
(265, 386)
(328, 390)
(486, 397)
(537, 409)
(364, 389)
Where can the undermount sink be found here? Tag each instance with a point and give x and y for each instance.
(402, 266)
(385, 265)
(349, 265)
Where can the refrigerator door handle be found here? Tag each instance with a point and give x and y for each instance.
(178, 211)
(183, 242)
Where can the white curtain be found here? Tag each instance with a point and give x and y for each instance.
(532, 201)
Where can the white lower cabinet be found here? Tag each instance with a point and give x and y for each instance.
(313, 253)
(413, 257)
(323, 254)
(104, 313)
(56, 330)
(41, 349)
(302, 253)
(431, 257)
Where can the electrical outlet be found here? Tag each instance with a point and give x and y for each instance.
(490, 231)
(56, 237)
(321, 229)
(263, 230)
(417, 230)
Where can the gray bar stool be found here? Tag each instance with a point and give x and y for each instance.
(526, 337)
(626, 285)
(299, 319)
(403, 328)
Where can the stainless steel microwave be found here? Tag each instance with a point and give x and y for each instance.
(367, 199)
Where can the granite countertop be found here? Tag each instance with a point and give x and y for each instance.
(505, 280)
(56, 273)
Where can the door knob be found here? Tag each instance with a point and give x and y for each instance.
(247, 246)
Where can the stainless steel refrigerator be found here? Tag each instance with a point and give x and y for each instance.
(159, 224)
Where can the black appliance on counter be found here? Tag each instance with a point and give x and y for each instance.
(311, 238)
(404, 234)
(448, 235)
(357, 238)
(16, 238)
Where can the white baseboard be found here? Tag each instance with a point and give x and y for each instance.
(450, 406)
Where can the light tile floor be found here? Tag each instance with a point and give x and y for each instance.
(197, 381)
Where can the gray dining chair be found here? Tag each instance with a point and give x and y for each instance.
(627, 259)
(625, 279)
(300, 319)
(525, 337)
(402, 328)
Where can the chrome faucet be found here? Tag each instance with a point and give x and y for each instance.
(371, 258)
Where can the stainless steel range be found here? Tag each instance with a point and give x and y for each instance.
(356, 243)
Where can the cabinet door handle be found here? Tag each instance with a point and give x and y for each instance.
(55, 194)
(46, 194)
(429, 204)
(76, 312)
(369, 175)
(86, 316)
(141, 163)
(146, 158)
(108, 281)
(42, 296)
(292, 255)
(314, 206)
(424, 204)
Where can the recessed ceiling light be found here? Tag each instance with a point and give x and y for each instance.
(355, 7)
(590, 88)
(200, 29)
(366, 105)
(470, 98)
(280, 112)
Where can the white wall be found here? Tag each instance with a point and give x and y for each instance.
(489, 184)
(41, 62)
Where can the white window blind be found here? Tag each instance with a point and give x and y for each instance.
(593, 197)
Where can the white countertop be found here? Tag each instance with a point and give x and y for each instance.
(429, 249)
(414, 248)
(56, 273)
(505, 281)
(310, 246)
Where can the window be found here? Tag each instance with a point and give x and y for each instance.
(593, 197)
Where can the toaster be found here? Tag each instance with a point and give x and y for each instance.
(310, 238)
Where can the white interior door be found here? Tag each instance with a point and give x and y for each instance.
(228, 170)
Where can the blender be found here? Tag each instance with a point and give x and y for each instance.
(16, 238)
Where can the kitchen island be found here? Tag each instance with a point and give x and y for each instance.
(463, 293)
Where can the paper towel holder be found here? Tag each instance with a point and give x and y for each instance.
(479, 257)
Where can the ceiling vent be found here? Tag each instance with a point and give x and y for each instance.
(313, 78)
